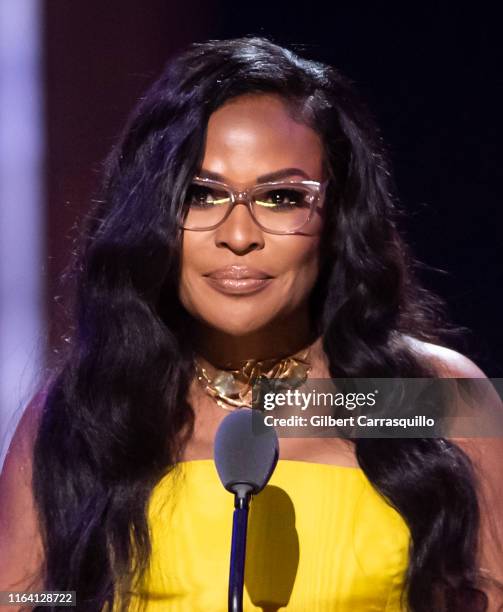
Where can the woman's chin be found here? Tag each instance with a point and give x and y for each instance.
(237, 327)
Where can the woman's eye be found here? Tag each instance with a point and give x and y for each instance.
(282, 198)
(200, 196)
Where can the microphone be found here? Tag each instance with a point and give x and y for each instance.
(246, 452)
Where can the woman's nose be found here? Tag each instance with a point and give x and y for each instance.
(239, 232)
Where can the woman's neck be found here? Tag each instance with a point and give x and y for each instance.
(227, 351)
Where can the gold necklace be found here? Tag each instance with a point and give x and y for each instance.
(234, 387)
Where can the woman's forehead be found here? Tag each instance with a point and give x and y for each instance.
(255, 135)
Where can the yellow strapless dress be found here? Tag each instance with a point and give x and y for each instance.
(320, 539)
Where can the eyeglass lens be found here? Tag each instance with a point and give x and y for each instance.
(280, 208)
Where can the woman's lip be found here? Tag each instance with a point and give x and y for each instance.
(238, 272)
(238, 286)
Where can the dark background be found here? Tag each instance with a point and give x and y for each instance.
(432, 76)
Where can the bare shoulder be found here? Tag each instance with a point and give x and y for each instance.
(20, 537)
(447, 362)
(486, 454)
(26, 430)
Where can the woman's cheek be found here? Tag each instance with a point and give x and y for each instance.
(306, 272)
(188, 291)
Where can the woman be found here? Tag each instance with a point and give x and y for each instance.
(194, 267)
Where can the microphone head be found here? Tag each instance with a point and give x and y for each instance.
(246, 451)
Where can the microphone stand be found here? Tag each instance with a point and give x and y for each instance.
(238, 549)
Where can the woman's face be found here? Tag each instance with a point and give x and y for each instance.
(248, 139)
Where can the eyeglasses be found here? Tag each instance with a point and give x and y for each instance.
(278, 208)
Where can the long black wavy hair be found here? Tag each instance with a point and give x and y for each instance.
(116, 417)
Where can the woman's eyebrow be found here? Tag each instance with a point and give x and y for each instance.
(283, 173)
(264, 178)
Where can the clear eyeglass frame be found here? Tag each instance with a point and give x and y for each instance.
(317, 190)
